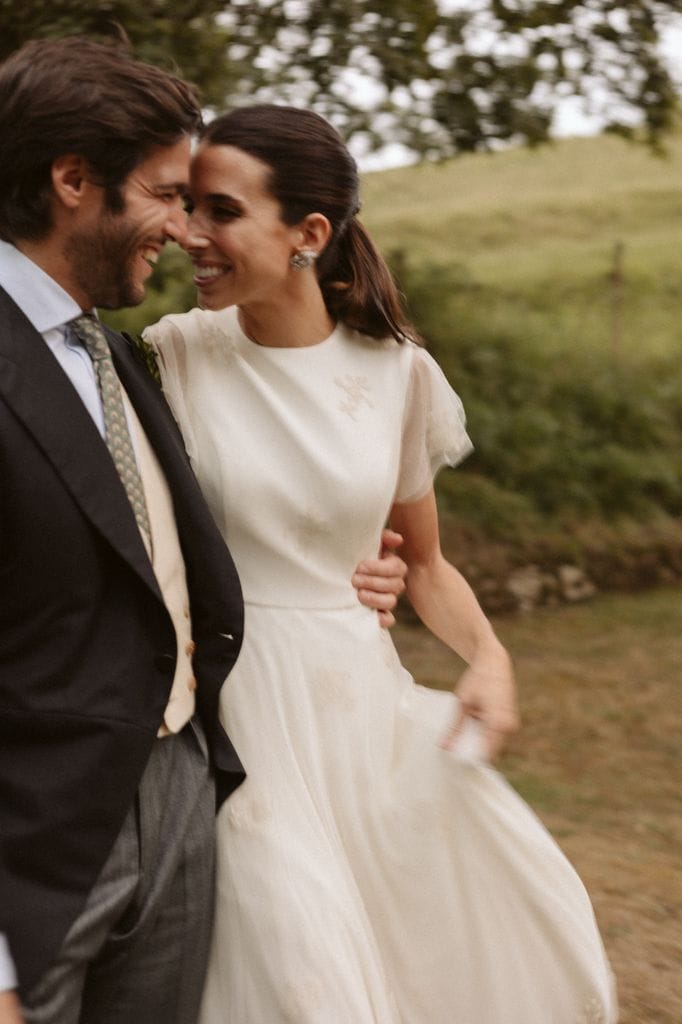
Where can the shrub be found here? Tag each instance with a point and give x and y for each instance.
(559, 434)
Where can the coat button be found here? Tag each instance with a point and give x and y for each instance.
(192, 684)
(190, 648)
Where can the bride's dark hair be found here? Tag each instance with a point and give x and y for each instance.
(311, 171)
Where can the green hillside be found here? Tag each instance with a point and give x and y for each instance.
(544, 223)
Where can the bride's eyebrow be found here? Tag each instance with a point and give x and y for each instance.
(222, 197)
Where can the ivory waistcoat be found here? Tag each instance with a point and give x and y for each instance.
(169, 568)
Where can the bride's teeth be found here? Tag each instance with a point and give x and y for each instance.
(151, 255)
(206, 272)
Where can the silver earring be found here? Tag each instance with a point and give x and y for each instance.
(303, 259)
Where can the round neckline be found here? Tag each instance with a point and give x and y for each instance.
(256, 346)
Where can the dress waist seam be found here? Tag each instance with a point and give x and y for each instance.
(249, 603)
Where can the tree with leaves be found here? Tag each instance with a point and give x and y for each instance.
(181, 35)
(439, 78)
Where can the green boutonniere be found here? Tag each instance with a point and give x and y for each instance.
(148, 356)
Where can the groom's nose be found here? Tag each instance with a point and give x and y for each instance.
(175, 227)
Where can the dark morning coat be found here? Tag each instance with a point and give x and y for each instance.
(87, 648)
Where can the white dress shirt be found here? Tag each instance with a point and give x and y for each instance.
(49, 308)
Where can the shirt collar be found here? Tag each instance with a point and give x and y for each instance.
(38, 296)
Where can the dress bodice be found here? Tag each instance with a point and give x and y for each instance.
(335, 433)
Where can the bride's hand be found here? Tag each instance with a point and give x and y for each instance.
(380, 581)
(487, 692)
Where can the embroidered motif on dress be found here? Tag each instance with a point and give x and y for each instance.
(302, 999)
(431, 823)
(592, 1013)
(222, 342)
(309, 528)
(334, 687)
(247, 810)
(357, 389)
(213, 335)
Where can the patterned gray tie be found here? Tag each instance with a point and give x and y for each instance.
(116, 432)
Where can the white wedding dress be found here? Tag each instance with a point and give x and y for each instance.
(365, 875)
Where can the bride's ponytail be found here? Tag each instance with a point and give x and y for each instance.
(311, 171)
(358, 287)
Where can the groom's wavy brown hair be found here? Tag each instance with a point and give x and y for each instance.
(75, 95)
(311, 171)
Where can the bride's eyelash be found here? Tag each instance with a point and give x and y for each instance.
(217, 211)
(221, 212)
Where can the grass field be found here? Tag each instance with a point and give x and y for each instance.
(598, 758)
(543, 225)
(573, 194)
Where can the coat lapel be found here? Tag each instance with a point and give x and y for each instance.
(43, 398)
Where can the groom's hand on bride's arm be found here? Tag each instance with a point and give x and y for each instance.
(10, 1010)
(380, 581)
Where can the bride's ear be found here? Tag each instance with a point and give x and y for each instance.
(315, 232)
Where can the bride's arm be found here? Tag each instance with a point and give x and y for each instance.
(445, 603)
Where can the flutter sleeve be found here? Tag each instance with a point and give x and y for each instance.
(168, 338)
(434, 428)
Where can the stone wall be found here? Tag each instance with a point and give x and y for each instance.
(509, 579)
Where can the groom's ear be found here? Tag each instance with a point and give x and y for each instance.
(70, 179)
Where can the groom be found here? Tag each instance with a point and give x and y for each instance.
(120, 607)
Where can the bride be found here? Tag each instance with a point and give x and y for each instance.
(373, 868)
